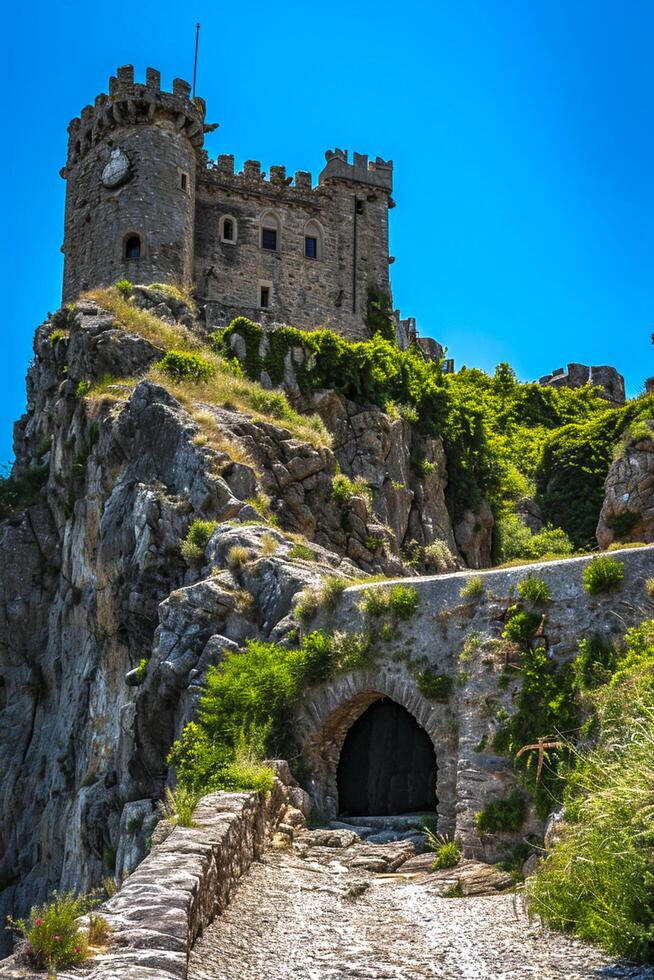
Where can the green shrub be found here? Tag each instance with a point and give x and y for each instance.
(183, 366)
(380, 319)
(343, 489)
(436, 687)
(520, 626)
(534, 590)
(57, 335)
(52, 939)
(447, 851)
(503, 816)
(473, 589)
(196, 540)
(454, 891)
(400, 601)
(438, 557)
(142, 669)
(124, 287)
(303, 552)
(516, 541)
(404, 601)
(178, 806)
(594, 663)
(83, 387)
(602, 574)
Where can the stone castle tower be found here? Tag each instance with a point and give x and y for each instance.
(144, 203)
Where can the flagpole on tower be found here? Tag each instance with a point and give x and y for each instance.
(195, 61)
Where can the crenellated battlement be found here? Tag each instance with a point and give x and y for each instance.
(377, 174)
(130, 103)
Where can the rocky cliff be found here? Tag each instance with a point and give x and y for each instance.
(107, 630)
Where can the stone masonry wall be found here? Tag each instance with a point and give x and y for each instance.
(351, 209)
(458, 637)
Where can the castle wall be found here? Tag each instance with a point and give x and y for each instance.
(328, 291)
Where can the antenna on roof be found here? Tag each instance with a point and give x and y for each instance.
(195, 61)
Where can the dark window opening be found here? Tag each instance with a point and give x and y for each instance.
(183, 181)
(359, 207)
(133, 247)
(387, 764)
(311, 247)
(264, 297)
(269, 239)
(228, 230)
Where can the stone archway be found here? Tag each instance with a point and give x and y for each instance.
(330, 710)
(387, 764)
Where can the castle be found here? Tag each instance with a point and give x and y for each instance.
(144, 203)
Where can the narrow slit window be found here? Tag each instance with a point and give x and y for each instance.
(228, 230)
(264, 297)
(183, 180)
(133, 247)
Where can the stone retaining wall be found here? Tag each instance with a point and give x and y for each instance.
(184, 883)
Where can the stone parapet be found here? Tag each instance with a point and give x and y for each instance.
(184, 883)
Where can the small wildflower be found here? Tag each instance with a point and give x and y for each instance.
(78, 949)
(56, 937)
(38, 922)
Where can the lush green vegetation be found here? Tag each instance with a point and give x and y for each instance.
(447, 852)
(196, 540)
(597, 881)
(178, 806)
(436, 687)
(21, 490)
(534, 590)
(398, 601)
(503, 816)
(602, 574)
(245, 713)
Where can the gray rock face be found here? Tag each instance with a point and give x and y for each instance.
(628, 509)
(94, 582)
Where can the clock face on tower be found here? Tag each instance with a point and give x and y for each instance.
(117, 169)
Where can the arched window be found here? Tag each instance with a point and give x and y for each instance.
(270, 232)
(312, 240)
(132, 247)
(228, 229)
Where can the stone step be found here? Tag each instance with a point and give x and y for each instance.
(399, 822)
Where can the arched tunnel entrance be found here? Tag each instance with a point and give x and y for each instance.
(387, 765)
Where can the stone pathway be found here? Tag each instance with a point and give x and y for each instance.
(316, 912)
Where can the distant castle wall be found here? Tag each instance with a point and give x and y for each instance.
(578, 375)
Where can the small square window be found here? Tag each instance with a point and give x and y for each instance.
(264, 297)
(311, 247)
(269, 239)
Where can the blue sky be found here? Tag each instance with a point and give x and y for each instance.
(521, 132)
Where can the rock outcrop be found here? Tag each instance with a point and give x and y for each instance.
(94, 582)
(628, 509)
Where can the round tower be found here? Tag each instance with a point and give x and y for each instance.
(130, 194)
